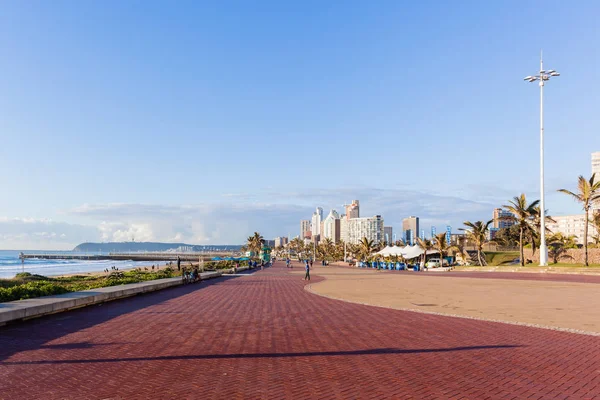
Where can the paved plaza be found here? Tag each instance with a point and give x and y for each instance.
(265, 336)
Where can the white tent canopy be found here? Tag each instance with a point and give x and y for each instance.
(391, 251)
(408, 252)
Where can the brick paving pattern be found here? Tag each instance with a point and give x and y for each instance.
(264, 336)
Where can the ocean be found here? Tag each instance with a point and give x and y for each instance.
(10, 264)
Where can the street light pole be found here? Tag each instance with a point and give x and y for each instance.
(542, 77)
(543, 247)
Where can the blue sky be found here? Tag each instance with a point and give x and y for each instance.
(205, 121)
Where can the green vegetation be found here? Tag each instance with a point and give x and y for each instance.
(588, 191)
(477, 233)
(27, 286)
(523, 213)
(497, 258)
(255, 243)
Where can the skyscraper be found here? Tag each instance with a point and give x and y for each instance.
(410, 226)
(304, 228)
(281, 241)
(596, 162)
(370, 228)
(331, 226)
(501, 218)
(343, 228)
(317, 217)
(387, 234)
(352, 210)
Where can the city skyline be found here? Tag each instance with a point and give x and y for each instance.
(164, 126)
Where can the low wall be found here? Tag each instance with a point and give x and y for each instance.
(36, 307)
(571, 256)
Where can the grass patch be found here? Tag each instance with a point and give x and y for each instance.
(26, 286)
(498, 258)
(566, 265)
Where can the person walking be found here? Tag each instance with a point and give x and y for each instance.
(178, 263)
(307, 269)
(311, 261)
(287, 263)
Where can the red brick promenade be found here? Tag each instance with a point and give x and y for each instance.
(263, 336)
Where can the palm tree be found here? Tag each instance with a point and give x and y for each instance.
(522, 214)
(461, 248)
(442, 246)
(559, 244)
(477, 233)
(255, 242)
(365, 248)
(296, 245)
(533, 235)
(424, 244)
(595, 221)
(327, 248)
(400, 242)
(587, 193)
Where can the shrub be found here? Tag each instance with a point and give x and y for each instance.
(31, 289)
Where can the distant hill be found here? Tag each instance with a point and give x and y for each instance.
(120, 247)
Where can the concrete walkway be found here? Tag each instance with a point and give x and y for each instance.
(264, 336)
(559, 304)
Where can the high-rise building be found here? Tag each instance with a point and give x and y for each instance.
(281, 241)
(370, 228)
(571, 225)
(410, 226)
(501, 219)
(317, 217)
(304, 228)
(331, 226)
(387, 234)
(352, 210)
(596, 170)
(596, 162)
(343, 228)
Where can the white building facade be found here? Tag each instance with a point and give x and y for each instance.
(329, 226)
(571, 225)
(596, 170)
(317, 218)
(304, 228)
(281, 241)
(343, 228)
(370, 228)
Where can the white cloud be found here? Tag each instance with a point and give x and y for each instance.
(238, 215)
(43, 234)
(233, 220)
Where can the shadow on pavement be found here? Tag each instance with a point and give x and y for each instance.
(33, 334)
(263, 355)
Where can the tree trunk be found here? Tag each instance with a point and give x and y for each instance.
(585, 237)
(521, 247)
